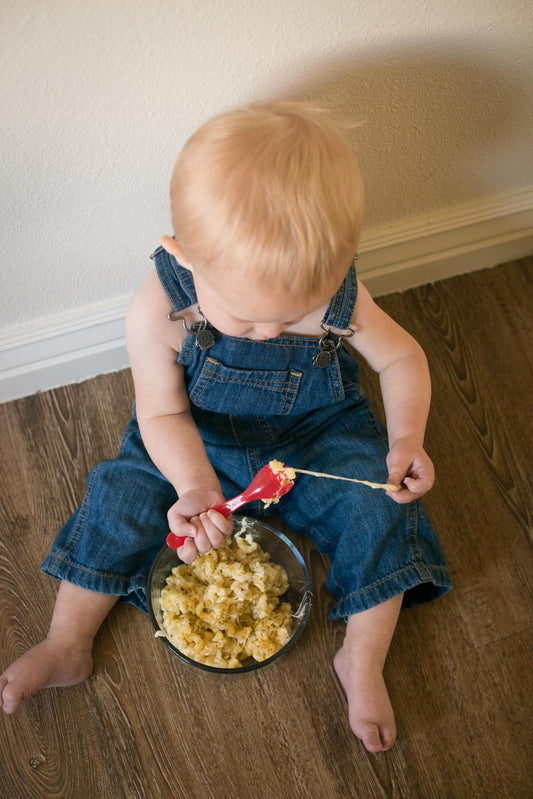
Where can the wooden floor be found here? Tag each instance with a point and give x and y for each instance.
(459, 670)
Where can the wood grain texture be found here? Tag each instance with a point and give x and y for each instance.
(145, 726)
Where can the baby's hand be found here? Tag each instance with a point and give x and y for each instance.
(409, 465)
(193, 516)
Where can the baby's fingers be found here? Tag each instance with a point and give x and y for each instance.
(412, 488)
(216, 527)
(222, 523)
(179, 524)
(402, 497)
(188, 552)
(210, 529)
(418, 485)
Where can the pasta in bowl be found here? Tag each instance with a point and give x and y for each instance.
(236, 608)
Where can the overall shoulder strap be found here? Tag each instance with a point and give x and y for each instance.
(177, 281)
(340, 310)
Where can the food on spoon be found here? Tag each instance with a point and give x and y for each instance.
(286, 477)
(287, 472)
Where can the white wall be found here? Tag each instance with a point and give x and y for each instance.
(98, 97)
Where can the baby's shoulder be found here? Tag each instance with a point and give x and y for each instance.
(148, 301)
(147, 314)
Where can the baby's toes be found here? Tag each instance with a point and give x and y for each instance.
(388, 737)
(368, 732)
(12, 696)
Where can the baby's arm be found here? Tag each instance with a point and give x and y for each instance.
(167, 428)
(406, 388)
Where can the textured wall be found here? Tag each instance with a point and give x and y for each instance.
(98, 97)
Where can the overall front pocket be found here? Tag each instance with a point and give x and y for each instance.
(245, 392)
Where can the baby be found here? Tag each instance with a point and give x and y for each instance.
(237, 343)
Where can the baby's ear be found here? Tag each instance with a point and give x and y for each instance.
(173, 248)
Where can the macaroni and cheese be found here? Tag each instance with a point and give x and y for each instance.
(225, 607)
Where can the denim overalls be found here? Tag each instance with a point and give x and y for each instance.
(254, 401)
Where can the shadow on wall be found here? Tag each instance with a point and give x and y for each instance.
(437, 127)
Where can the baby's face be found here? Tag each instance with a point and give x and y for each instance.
(239, 308)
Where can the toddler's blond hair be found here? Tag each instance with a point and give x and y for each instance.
(270, 190)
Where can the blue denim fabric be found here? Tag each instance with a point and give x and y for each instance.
(252, 402)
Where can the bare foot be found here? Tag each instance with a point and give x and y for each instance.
(51, 664)
(370, 711)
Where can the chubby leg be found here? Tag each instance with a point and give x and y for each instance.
(64, 657)
(359, 666)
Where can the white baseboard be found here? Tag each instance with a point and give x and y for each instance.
(78, 345)
(64, 349)
(452, 242)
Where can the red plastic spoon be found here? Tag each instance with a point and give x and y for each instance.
(267, 484)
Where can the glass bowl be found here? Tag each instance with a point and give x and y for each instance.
(281, 551)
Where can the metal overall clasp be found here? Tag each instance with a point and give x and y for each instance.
(329, 344)
(203, 338)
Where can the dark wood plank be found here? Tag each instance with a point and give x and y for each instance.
(146, 725)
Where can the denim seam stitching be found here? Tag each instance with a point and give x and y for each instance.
(201, 384)
(288, 389)
(296, 341)
(279, 386)
(335, 376)
(251, 382)
(251, 455)
(267, 431)
(163, 277)
(339, 313)
(291, 392)
(83, 511)
(166, 282)
(415, 566)
(105, 575)
(333, 310)
(214, 362)
(412, 522)
(186, 349)
(185, 278)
